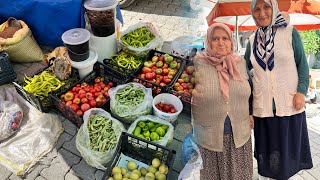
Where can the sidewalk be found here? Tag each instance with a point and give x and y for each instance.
(173, 18)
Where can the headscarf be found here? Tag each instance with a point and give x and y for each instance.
(263, 46)
(225, 65)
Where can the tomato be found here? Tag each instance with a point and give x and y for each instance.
(79, 113)
(165, 71)
(85, 107)
(76, 101)
(84, 100)
(74, 107)
(110, 84)
(81, 91)
(93, 103)
(149, 76)
(146, 70)
(160, 58)
(68, 103)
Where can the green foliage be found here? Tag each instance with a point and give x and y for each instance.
(311, 41)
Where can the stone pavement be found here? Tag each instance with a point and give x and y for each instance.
(173, 18)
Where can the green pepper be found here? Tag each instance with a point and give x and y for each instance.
(150, 124)
(146, 133)
(148, 138)
(165, 127)
(141, 136)
(154, 136)
(141, 124)
(153, 129)
(145, 128)
(137, 131)
(160, 131)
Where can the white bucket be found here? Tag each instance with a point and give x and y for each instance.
(86, 66)
(167, 99)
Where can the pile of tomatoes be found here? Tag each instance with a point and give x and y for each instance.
(83, 96)
(167, 108)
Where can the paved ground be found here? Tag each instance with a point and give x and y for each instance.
(173, 18)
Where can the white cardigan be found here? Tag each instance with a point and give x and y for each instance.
(279, 84)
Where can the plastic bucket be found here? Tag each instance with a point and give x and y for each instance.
(86, 66)
(101, 18)
(167, 99)
(77, 42)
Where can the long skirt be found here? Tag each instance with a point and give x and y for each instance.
(231, 164)
(282, 146)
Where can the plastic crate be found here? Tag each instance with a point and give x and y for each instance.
(44, 103)
(99, 70)
(157, 88)
(120, 69)
(141, 150)
(186, 99)
(7, 73)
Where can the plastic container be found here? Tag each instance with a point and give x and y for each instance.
(86, 66)
(167, 99)
(77, 42)
(104, 46)
(134, 148)
(101, 15)
(99, 70)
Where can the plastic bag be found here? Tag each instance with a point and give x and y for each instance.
(36, 137)
(156, 43)
(94, 158)
(129, 114)
(191, 152)
(167, 139)
(22, 47)
(10, 118)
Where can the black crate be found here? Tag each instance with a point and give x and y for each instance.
(99, 70)
(156, 88)
(186, 100)
(140, 150)
(7, 73)
(44, 103)
(125, 71)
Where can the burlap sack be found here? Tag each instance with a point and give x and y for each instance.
(22, 47)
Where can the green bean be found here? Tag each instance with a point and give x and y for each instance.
(101, 133)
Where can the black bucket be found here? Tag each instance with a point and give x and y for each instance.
(78, 52)
(77, 42)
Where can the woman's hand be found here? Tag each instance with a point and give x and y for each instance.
(298, 101)
(251, 121)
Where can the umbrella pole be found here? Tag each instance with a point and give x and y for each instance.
(237, 35)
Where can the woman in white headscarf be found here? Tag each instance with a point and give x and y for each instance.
(280, 82)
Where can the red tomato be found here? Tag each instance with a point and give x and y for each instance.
(110, 84)
(85, 107)
(79, 113)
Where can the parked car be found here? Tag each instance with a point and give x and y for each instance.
(125, 3)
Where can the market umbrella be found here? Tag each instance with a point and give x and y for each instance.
(304, 14)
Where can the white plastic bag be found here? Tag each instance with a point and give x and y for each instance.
(94, 158)
(129, 114)
(167, 139)
(36, 137)
(156, 43)
(10, 118)
(191, 170)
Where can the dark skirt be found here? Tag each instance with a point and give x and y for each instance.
(282, 146)
(232, 163)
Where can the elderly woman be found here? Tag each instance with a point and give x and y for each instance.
(280, 82)
(220, 116)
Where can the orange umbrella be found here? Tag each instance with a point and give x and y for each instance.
(304, 14)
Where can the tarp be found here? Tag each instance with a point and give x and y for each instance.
(48, 20)
(304, 14)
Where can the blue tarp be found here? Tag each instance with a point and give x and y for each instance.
(48, 19)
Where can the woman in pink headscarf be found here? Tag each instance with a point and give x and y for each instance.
(280, 82)
(220, 116)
